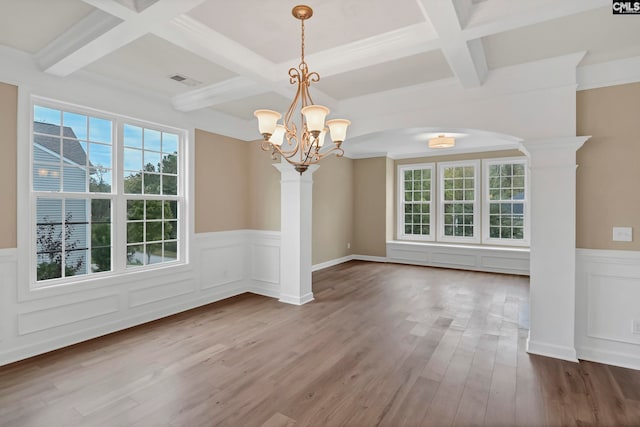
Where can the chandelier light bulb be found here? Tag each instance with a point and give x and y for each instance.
(278, 135)
(267, 120)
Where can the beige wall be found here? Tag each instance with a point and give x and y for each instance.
(221, 183)
(608, 175)
(332, 209)
(8, 161)
(264, 190)
(369, 215)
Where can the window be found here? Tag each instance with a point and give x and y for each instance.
(106, 193)
(458, 210)
(415, 210)
(506, 210)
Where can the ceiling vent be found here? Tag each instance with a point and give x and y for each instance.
(187, 81)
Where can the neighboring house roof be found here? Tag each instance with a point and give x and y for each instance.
(73, 151)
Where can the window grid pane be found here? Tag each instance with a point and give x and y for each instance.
(506, 194)
(152, 232)
(417, 202)
(150, 161)
(459, 199)
(74, 233)
(71, 152)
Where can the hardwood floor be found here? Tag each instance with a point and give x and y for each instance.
(382, 345)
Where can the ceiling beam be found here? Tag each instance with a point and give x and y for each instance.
(256, 74)
(218, 93)
(497, 16)
(107, 29)
(389, 46)
(467, 60)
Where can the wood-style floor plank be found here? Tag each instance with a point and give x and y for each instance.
(381, 345)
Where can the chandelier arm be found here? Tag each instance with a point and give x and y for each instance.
(292, 106)
(339, 152)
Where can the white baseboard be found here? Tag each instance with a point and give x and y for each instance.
(369, 258)
(266, 289)
(552, 350)
(291, 299)
(347, 258)
(626, 360)
(331, 263)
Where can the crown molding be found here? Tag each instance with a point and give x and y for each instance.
(611, 73)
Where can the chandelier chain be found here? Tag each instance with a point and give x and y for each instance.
(302, 43)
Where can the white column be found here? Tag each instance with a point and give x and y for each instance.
(552, 165)
(295, 234)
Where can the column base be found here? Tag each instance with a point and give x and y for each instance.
(295, 300)
(552, 350)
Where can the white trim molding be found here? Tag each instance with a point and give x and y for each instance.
(612, 73)
(224, 264)
(607, 295)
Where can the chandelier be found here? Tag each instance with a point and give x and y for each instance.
(303, 146)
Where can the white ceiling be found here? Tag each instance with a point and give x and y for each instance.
(240, 51)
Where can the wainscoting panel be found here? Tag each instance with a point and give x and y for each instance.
(467, 257)
(8, 260)
(65, 314)
(221, 266)
(153, 294)
(265, 263)
(607, 304)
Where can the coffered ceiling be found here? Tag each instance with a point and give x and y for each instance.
(236, 54)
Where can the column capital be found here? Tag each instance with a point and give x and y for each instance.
(561, 143)
(552, 152)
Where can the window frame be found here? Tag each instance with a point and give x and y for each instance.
(441, 166)
(486, 235)
(400, 203)
(117, 196)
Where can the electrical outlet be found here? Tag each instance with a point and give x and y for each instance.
(622, 234)
(349, 245)
(636, 326)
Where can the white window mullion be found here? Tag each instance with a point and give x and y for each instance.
(119, 232)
